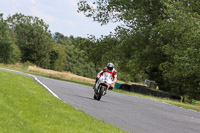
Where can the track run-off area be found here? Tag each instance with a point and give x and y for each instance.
(130, 113)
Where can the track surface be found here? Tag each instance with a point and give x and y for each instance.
(129, 113)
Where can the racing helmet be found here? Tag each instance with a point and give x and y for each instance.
(110, 66)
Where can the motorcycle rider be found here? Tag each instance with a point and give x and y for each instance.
(109, 69)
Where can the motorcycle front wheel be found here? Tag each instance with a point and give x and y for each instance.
(101, 90)
(95, 97)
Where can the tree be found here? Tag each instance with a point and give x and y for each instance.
(33, 38)
(61, 39)
(182, 36)
(57, 57)
(9, 51)
(158, 39)
(134, 36)
(77, 62)
(138, 13)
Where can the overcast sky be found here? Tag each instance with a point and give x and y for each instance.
(60, 15)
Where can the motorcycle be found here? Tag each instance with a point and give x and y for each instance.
(102, 85)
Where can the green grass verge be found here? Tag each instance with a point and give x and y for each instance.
(173, 102)
(27, 107)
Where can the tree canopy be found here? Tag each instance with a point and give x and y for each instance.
(9, 51)
(158, 40)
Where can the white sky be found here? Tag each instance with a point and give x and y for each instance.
(60, 15)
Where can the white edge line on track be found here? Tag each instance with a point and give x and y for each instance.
(36, 80)
(44, 85)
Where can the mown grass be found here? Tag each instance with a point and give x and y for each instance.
(27, 107)
(24, 68)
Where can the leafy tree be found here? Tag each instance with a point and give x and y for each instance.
(93, 52)
(138, 13)
(9, 52)
(182, 36)
(57, 57)
(158, 40)
(61, 39)
(99, 51)
(33, 38)
(77, 62)
(134, 37)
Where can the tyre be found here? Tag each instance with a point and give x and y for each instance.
(100, 93)
(95, 97)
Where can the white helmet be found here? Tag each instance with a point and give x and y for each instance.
(110, 66)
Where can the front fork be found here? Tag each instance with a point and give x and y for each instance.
(105, 90)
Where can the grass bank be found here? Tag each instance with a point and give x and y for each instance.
(26, 107)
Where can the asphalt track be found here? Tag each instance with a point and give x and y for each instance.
(130, 113)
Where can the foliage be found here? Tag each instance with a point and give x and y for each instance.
(77, 62)
(158, 40)
(27, 39)
(33, 38)
(134, 44)
(132, 13)
(57, 57)
(181, 70)
(61, 39)
(9, 51)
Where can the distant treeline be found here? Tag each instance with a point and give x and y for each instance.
(157, 40)
(28, 39)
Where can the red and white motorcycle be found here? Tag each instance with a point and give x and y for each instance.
(102, 85)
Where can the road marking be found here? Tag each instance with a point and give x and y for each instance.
(44, 85)
(33, 76)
